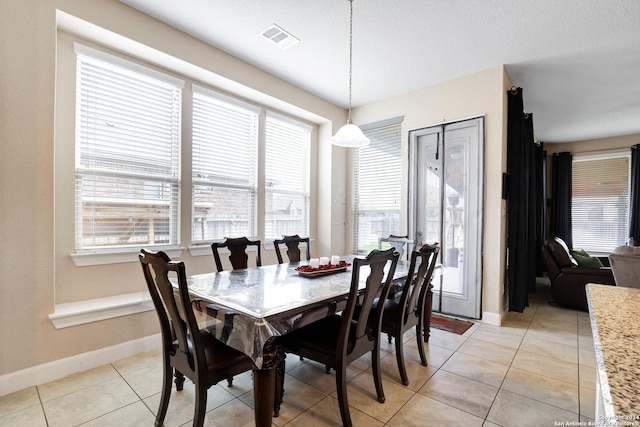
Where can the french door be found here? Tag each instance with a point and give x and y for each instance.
(445, 206)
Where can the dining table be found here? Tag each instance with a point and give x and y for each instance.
(249, 308)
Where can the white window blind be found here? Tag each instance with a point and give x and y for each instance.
(600, 201)
(286, 177)
(377, 186)
(127, 154)
(224, 167)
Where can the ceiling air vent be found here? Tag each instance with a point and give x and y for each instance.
(279, 37)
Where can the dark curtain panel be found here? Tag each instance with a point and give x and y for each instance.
(541, 205)
(560, 221)
(634, 208)
(521, 203)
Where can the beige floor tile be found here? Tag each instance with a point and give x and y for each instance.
(585, 340)
(555, 313)
(542, 388)
(32, 416)
(143, 372)
(313, 373)
(486, 350)
(134, 415)
(182, 403)
(232, 414)
(587, 403)
(445, 339)
(423, 411)
(495, 335)
(299, 396)
(19, 400)
(482, 370)
(242, 383)
(75, 382)
(552, 349)
(327, 413)
(587, 357)
(460, 392)
(88, 403)
(416, 372)
(587, 376)
(510, 409)
(436, 356)
(362, 395)
(547, 366)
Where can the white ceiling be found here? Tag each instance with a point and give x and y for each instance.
(578, 61)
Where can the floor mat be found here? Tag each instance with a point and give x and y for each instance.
(450, 324)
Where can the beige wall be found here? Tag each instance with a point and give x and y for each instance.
(32, 269)
(593, 145)
(482, 93)
(36, 277)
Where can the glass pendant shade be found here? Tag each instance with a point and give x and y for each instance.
(350, 135)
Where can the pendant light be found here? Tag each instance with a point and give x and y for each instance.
(350, 135)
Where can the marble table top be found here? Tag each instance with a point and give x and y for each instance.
(615, 323)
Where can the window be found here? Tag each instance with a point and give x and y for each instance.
(224, 167)
(377, 185)
(127, 154)
(286, 177)
(600, 201)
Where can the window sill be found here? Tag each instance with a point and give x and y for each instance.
(82, 312)
(117, 257)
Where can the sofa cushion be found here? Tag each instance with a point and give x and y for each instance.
(586, 260)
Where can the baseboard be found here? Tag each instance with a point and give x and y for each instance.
(491, 318)
(51, 371)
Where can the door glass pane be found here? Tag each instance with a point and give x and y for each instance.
(454, 197)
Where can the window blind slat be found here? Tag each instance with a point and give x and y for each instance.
(377, 187)
(600, 202)
(127, 155)
(224, 168)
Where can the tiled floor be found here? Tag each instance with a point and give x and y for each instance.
(537, 369)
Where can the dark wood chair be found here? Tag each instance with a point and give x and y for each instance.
(293, 249)
(187, 349)
(411, 308)
(238, 252)
(338, 340)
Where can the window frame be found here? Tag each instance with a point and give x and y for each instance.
(93, 64)
(622, 224)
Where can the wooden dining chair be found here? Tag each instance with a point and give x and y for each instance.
(409, 310)
(238, 252)
(187, 350)
(293, 250)
(338, 340)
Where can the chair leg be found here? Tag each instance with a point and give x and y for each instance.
(400, 359)
(377, 376)
(390, 338)
(201, 405)
(179, 380)
(165, 396)
(230, 382)
(341, 387)
(423, 356)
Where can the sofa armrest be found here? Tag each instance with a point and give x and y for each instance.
(588, 271)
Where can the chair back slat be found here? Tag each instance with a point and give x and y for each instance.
(173, 306)
(416, 286)
(378, 283)
(238, 252)
(293, 249)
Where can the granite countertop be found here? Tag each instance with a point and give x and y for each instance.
(615, 323)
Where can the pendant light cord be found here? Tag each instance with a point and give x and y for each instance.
(350, 54)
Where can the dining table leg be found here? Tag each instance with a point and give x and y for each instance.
(263, 395)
